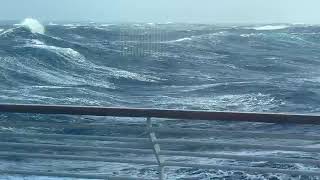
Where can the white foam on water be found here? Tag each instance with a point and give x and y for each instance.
(210, 35)
(33, 25)
(8, 31)
(180, 40)
(272, 58)
(118, 73)
(71, 26)
(64, 52)
(241, 102)
(53, 24)
(105, 25)
(183, 39)
(250, 34)
(75, 57)
(270, 27)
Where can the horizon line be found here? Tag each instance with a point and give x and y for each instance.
(162, 22)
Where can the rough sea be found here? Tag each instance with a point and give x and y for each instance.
(247, 68)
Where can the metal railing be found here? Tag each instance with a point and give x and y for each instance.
(132, 145)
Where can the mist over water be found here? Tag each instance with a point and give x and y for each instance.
(258, 68)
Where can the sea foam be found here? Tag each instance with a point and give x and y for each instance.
(270, 27)
(67, 53)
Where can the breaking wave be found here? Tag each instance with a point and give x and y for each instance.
(33, 25)
(182, 39)
(172, 64)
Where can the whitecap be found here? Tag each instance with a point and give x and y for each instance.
(272, 58)
(36, 42)
(71, 26)
(105, 25)
(241, 102)
(76, 57)
(270, 27)
(247, 35)
(104, 28)
(8, 31)
(118, 73)
(33, 25)
(181, 39)
(64, 52)
(53, 24)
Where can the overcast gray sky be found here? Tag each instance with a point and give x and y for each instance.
(201, 11)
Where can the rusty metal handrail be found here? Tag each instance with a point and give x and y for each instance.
(279, 118)
(162, 113)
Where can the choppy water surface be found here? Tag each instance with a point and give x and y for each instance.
(256, 68)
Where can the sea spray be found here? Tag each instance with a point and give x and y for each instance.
(33, 25)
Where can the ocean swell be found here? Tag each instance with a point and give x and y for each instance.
(33, 25)
(262, 68)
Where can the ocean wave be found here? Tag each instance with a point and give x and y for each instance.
(72, 26)
(182, 39)
(33, 25)
(242, 102)
(131, 75)
(7, 32)
(25, 30)
(68, 53)
(251, 35)
(103, 28)
(215, 51)
(203, 68)
(270, 27)
(200, 36)
(105, 25)
(52, 24)
(75, 57)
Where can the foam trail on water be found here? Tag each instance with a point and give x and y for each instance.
(33, 25)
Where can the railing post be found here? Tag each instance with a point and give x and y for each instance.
(156, 148)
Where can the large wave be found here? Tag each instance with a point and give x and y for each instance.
(33, 25)
(182, 55)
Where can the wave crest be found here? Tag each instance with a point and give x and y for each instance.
(68, 53)
(33, 25)
(270, 27)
